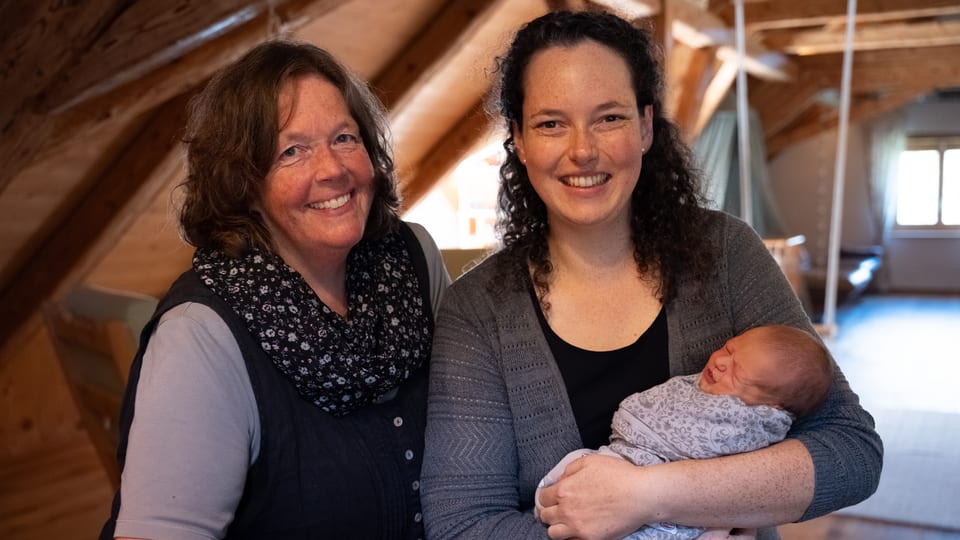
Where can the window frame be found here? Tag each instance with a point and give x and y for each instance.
(940, 143)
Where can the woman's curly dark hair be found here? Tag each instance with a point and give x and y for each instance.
(668, 226)
(231, 142)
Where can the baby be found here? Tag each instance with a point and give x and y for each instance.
(746, 397)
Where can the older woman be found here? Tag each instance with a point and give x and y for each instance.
(279, 390)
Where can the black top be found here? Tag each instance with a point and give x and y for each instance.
(597, 381)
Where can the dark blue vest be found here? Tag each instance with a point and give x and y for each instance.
(317, 475)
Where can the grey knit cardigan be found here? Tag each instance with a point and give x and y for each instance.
(499, 416)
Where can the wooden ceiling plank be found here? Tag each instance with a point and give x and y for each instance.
(778, 105)
(31, 135)
(886, 68)
(869, 37)
(860, 111)
(759, 16)
(97, 219)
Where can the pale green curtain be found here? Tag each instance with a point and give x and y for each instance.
(888, 139)
(719, 159)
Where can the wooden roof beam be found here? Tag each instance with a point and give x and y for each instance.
(97, 218)
(860, 110)
(696, 27)
(462, 139)
(409, 70)
(30, 133)
(686, 68)
(779, 105)
(760, 16)
(867, 37)
(713, 96)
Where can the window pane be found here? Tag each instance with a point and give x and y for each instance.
(951, 187)
(918, 187)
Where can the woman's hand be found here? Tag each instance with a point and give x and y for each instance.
(596, 498)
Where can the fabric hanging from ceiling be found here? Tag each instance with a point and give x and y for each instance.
(718, 158)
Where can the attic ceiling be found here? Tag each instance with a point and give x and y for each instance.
(94, 95)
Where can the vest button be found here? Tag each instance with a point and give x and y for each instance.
(417, 517)
(398, 421)
(416, 485)
(408, 454)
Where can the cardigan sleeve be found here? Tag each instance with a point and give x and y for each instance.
(470, 486)
(847, 451)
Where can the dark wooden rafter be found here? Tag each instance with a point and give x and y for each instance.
(39, 40)
(34, 128)
(97, 218)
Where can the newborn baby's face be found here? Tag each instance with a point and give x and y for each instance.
(736, 369)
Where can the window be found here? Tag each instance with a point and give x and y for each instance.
(928, 192)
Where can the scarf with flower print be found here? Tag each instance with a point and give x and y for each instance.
(339, 364)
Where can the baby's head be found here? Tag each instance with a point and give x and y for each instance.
(781, 366)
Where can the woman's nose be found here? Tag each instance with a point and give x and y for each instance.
(583, 147)
(326, 163)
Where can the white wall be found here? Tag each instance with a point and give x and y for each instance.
(802, 183)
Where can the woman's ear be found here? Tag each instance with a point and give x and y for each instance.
(518, 141)
(646, 129)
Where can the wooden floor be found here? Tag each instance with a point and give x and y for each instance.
(63, 492)
(897, 352)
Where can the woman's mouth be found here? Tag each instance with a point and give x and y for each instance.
(332, 204)
(585, 180)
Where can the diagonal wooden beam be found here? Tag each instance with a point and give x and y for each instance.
(409, 70)
(717, 88)
(686, 68)
(463, 138)
(31, 133)
(861, 110)
(779, 105)
(96, 218)
(144, 37)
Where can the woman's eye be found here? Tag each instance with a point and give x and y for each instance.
(612, 118)
(289, 152)
(347, 138)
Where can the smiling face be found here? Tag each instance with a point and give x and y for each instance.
(319, 190)
(744, 367)
(583, 136)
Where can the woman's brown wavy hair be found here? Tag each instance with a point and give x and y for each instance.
(668, 226)
(231, 140)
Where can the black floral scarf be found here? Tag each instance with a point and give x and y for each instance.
(339, 364)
